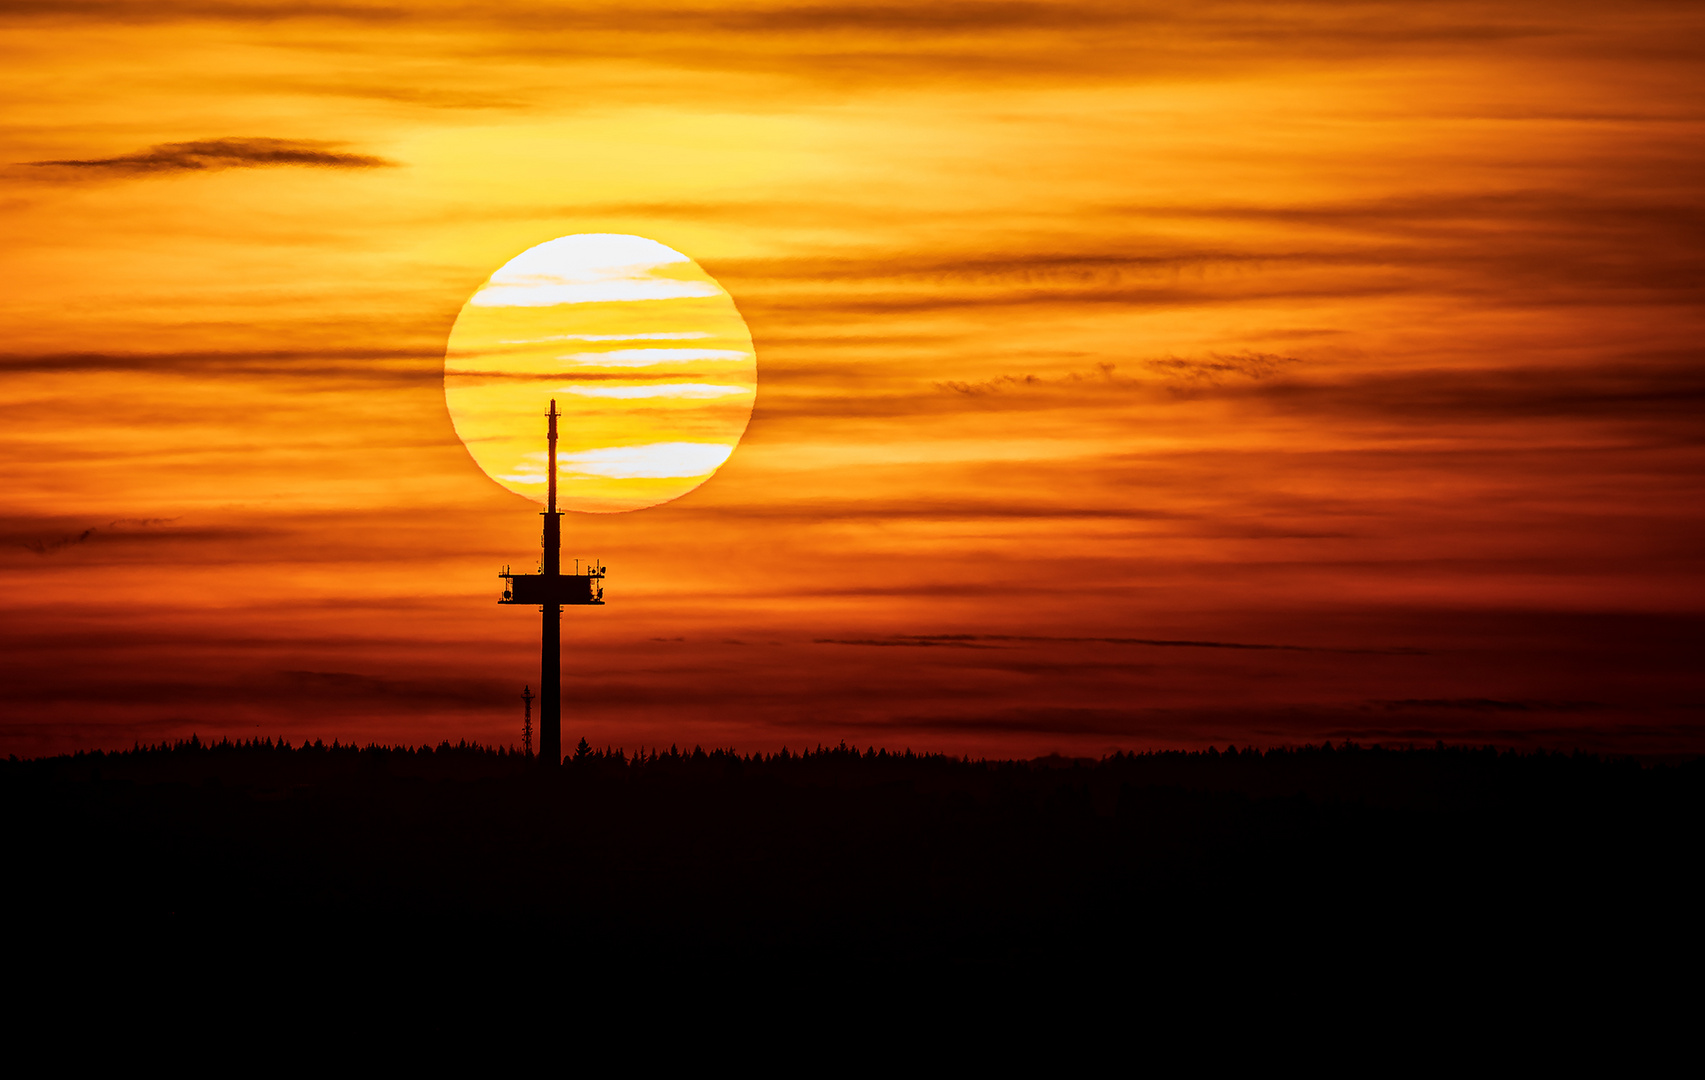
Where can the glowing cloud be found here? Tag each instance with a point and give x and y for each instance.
(590, 268)
(658, 390)
(683, 335)
(658, 461)
(648, 357)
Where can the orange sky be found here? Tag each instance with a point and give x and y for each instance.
(1096, 343)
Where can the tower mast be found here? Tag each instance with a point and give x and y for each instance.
(550, 637)
(551, 589)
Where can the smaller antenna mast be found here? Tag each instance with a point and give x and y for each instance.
(527, 721)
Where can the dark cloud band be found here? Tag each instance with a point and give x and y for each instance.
(211, 154)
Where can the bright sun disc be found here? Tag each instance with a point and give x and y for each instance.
(648, 361)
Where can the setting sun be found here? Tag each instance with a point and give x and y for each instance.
(652, 364)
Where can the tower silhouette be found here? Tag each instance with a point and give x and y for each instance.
(551, 589)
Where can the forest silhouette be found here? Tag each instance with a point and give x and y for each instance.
(864, 855)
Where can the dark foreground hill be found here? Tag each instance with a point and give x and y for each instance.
(863, 857)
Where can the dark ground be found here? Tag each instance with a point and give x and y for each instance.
(866, 856)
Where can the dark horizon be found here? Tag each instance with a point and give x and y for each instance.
(837, 861)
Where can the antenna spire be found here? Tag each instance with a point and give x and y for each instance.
(550, 495)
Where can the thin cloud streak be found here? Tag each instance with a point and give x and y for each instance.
(380, 364)
(980, 641)
(213, 154)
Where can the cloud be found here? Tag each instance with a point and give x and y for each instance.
(48, 546)
(1489, 705)
(368, 365)
(1666, 386)
(1539, 247)
(211, 154)
(980, 641)
(683, 391)
(653, 461)
(1627, 389)
(432, 689)
(1189, 374)
(1103, 373)
(589, 268)
(670, 335)
(905, 642)
(650, 357)
(981, 39)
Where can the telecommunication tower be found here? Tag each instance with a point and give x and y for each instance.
(551, 589)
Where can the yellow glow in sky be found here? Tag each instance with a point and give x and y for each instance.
(597, 322)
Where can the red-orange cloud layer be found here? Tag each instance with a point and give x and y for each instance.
(1129, 375)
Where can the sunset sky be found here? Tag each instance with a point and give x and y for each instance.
(1128, 375)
